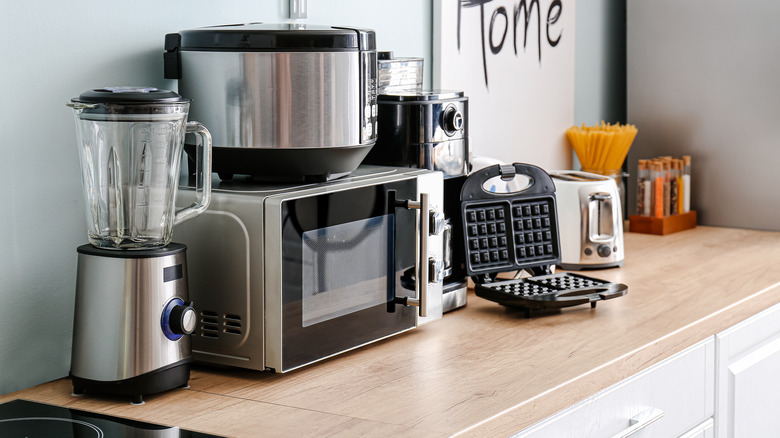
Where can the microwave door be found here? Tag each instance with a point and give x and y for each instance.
(344, 256)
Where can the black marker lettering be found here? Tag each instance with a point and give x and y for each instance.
(527, 8)
(523, 9)
(500, 11)
(552, 19)
(481, 4)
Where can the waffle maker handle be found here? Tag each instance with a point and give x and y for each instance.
(539, 181)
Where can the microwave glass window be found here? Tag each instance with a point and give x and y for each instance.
(345, 256)
(338, 278)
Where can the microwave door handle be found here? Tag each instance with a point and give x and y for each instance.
(421, 271)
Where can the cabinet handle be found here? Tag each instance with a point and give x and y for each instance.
(640, 421)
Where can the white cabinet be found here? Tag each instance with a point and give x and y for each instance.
(748, 383)
(704, 430)
(727, 386)
(672, 398)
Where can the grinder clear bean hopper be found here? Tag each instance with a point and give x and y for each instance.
(132, 313)
(510, 224)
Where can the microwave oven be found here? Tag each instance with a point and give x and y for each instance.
(284, 275)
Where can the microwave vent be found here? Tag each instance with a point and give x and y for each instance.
(209, 324)
(232, 324)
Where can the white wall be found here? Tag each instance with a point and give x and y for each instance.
(51, 51)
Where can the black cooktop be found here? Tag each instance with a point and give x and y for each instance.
(26, 419)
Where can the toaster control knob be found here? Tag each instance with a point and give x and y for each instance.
(604, 250)
(453, 120)
(437, 222)
(436, 270)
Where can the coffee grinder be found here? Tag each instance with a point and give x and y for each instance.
(132, 313)
(429, 130)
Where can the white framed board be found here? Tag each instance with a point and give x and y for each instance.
(515, 62)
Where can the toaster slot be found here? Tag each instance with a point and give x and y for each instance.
(600, 220)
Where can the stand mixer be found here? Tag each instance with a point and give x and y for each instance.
(132, 313)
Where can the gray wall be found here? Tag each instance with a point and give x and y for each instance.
(600, 62)
(52, 51)
(702, 81)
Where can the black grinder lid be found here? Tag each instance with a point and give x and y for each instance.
(259, 37)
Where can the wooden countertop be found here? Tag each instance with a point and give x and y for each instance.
(482, 370)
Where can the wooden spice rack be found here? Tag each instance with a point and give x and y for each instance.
(662, 226)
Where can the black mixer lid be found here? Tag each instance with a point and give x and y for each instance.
(258, 37)
(129, 96)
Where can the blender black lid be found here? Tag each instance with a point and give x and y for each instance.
(129, 95)
(272, 37)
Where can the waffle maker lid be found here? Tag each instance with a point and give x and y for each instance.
(510, 223)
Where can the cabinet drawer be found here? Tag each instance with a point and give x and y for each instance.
(748, 357)
(679, 389)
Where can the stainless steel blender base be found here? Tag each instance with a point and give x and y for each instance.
(123, 302)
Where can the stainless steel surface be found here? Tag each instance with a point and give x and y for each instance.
(446, 237)
(454, 296)
(236, 273)
(427, 129)
(590, 220)
(431, 183)
(601, 224)
(449, 157)
(276, 100)
(421, 271)
(229, 302)
(436, 218)
(119, 302)
(436, 270)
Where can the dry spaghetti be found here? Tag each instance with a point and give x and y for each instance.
(602, 147)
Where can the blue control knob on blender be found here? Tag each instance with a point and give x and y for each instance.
(182, 319)
(178, 319)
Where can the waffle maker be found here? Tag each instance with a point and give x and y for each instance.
(510, 224)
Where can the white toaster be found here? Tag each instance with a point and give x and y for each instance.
(590, 220)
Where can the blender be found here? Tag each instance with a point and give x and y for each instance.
(132, 315)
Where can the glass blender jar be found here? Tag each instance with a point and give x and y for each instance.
(132, 313)
(130, 141)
